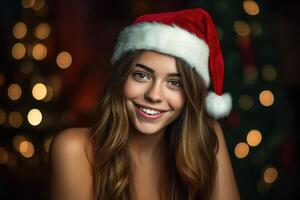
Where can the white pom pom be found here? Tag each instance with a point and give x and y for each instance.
(218, 106)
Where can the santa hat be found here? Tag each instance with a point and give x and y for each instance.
(188, 34)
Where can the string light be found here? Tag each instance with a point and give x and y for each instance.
(34, 117)
(42, 31)
(18, 51)
(241, 150)
(266, 98)
(270, 175)
(241, 28)
(26, 149)
(14, 91)
(251, 7)
(19, 30)
(64, 60)
(39, 51)
(39, 91)
(254, 137)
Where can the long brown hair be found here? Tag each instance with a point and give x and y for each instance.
(192, 142)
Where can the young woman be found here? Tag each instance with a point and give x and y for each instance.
(156, 136)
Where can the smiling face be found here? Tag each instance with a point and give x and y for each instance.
(153, 93)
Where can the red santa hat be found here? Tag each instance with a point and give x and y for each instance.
(188, 34)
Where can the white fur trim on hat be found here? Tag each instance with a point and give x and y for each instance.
(218, 106)
(163, 38)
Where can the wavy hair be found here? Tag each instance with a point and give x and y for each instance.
(191, 141)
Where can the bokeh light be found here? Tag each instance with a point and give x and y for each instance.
(269, 73)
(42, 31)
(64, 60)
(17, 140)
(241, 28)
(19, 30)
(251, 7)
(26, 149)
(39, 91)
(270, 175)
(241, 150)
(266, 98)
(27, 3)
(50, 93)
(254, 137)
(3, 156)
(14, 91)
(18, 51)
(15, 119)
(39, 51)
(34, 117)
(38, 5)
(246, 102)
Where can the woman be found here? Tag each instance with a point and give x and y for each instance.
(155, 137)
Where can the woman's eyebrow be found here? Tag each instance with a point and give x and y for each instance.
(152, 71)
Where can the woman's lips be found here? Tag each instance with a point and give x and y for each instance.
(147, 116)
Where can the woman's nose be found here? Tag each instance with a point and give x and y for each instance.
(153, 94)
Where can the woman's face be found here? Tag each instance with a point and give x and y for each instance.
(153, 93)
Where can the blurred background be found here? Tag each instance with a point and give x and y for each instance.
(55, 60)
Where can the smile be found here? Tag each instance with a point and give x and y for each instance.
(147, 113)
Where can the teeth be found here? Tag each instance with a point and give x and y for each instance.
(150, 112)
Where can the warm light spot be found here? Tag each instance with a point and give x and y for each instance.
(266, 98)
(28, 3)
(14, 91)
(42, 31)
(2, 116)
(39, 4)
(50, 93)
(34, 117)
(269, 73)
(26, 149)
(246, 102)
(241, 150)
(18, 51)
(241, 28)
(39, 91)
(3, 156)
(15, 119)
(19, 30)
(47, 144)
(254, 137)
(2, 79)
(64, 60)
(39, 51)
(270, 175)
(251, 7)
(18, 139)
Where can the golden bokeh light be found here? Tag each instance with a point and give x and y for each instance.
(64, 60)
(254, 137)
(246, 102)
(3, 156)
(266, 98)
(34, 117)
(47, 144)
(2, 79)
(241, 28)
(19, 30)
(2, 116)
(18, 51)
(269, 73)
(39, 91)
(27, 3)
(42, 31)
(39, 51)
(18, 139)
(15, 119)
(251, 7)
(270, 175)
(14, 91)
(39, 4)
(241, 150)
(50, 94)
(26, 149)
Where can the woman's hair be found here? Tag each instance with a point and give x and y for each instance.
(192, 142)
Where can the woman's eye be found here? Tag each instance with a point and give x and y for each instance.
(175, 83)
(140, 76)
